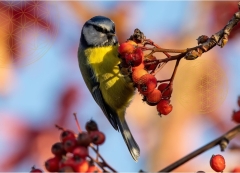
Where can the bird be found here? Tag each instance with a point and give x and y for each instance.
(99, 65)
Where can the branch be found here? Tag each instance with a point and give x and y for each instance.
(220, 38)
(222, 141)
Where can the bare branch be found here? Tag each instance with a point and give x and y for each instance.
(226, 137)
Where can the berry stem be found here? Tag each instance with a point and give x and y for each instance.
(59, 127)
(78, 125)
(150, 42)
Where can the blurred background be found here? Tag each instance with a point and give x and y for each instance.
(41, 84)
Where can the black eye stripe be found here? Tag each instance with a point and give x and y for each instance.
(98, 28)
(114, 28)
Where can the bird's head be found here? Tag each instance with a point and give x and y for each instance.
(98, 31)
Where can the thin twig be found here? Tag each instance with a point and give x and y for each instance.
(165, 80)
(78, 125)
(103, 160)
(98, 163)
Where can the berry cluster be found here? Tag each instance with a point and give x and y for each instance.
(236, 114)
(71, 153)
(141, 69)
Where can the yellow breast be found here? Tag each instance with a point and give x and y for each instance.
(116, 90)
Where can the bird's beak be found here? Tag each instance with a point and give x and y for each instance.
(110, 34)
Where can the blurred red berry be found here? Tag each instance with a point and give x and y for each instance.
(154, 97)
(81, 152)
(83, 139)
(58, 149)
(164, 107)
(52, 164)
(236, 116)
(80, 166)
(235, 170)
(137, 74)
(91, 126)
(94, 169)
(70, 144)
(66, 169)
(125, 48)
(35, 170)
(146, 84)
(217, 163)
(68, 162)
(67, 134)
(97, 137)
(166, 93)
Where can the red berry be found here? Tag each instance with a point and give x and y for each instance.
(146, 84)
(141, 66)
(58, 149)
(125, 48)
(137, 74)
(83, 139)
(217, 163)
(81, 152)
(129, 58)
(66, 169)
(166, 93)
(35, 170)
(154, 97)
(70, 144)
(164, 107)
(235, 170)
(153, 65)
(138, 57)
(236, 117)
(69, 162)
(52, 165)
(80, 166)
(66, 134)
(132, 42)
(91, 126)
(134, 59)
(97, 137)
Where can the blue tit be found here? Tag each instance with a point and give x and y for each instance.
(99, 65)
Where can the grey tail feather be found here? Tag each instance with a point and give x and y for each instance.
(128, 138)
